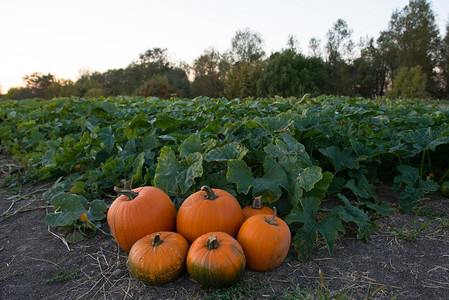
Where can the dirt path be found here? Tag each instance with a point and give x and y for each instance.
(31, 256)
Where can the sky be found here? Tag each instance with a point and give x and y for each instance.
(65, 37)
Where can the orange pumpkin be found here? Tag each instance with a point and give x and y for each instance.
(265, 241)
(158, 258)
(139, 212)
(256, 208)
(209, 210)
(216, 259)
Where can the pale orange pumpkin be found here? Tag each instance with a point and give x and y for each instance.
(139, 212)
(256, 208)
(209, 210)
(158, 258)
(216, 259)
(265, 240)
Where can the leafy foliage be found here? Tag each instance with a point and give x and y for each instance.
(316, 159)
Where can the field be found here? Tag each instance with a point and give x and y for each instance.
(356, 180)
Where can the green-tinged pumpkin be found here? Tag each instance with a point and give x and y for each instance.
(209, 210)
(444, 188)
(158, 258)
(216, 259)
(256, 208)
(265, 240)
(139, 212)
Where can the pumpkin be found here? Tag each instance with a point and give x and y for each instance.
(265, 241)
(256, 208)
(209, 210)
(158, 258)
(216, 259)
(139, 212)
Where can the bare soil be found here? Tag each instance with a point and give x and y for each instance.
(387, 266)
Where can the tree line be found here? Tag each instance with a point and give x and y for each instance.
(409, 59)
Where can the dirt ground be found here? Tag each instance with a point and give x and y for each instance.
(31, 254)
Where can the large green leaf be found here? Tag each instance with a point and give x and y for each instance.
(306, 237)
(275, 124)
(68, 209)
(362, 188)
(340, 159)
(229, 151)
(107, 138)
(351, 213)
(191, 144)
(269, 184)
(137, 167)
(175, 175)
(415, 187)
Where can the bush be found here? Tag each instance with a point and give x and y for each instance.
(409, 83)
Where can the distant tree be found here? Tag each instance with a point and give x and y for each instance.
(370, 71)
(314, 46)
(156, 86)
(89, 80)
(19, 93)
(114, 82)
(444, 65)
(247, 46)
(39, 83)
(409, 83)
(177, 78)
(412, 39)
(292, 74)
(241, 80)
(292, 43)
(155, 60)
(209, 74)
(339, 43)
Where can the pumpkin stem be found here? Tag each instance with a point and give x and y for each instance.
(156, 240)
(272, 220)
(257, 203)
(212, 242)
(127, 192)
(210, 195)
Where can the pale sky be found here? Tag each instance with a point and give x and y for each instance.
(63, 37)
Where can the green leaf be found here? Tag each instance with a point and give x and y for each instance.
(269, 184)
(74, 237)
(166, 122)
(351, 213)
(137, 167)
(97, 210)
(175, 176)
(140, 120)
(275, 124)
(362, 189)
(78, 188)
(191, 145)
(308, 177)
(306, 237)
(415, 187)
(107, 138)
(240, 174)
(68, 209)
(340, 159)
(229, 151)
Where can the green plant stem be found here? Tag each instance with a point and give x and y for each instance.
(430, 162)
(443, 177)
(421, 169)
